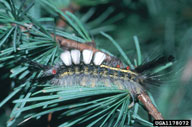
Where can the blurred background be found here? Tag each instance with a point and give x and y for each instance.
(162, 27)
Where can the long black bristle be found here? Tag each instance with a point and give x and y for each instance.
(154, 63)
(34, 65)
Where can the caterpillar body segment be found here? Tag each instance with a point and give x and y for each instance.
(92, 72)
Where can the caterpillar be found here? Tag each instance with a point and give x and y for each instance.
(90, 69)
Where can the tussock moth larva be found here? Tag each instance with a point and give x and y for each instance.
(93, 71)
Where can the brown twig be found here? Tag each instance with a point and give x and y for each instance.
(144, 98)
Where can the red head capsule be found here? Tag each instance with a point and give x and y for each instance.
(54, 71)
(118, 66)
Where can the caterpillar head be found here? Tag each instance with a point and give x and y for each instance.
(51, 71)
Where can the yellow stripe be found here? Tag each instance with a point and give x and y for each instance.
(63, 74)
(118, 69)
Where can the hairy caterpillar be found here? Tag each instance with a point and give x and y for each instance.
(94, 71)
